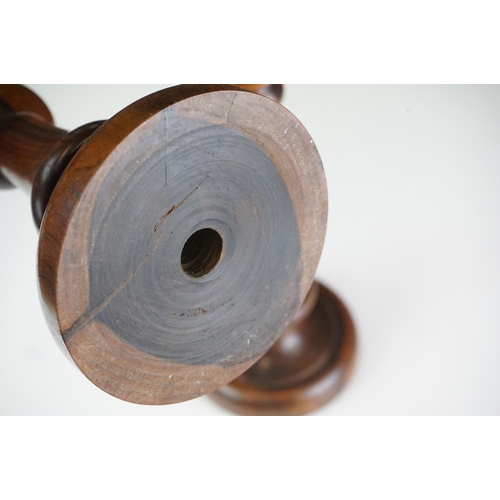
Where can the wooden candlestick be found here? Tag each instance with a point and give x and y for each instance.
(178, 239)
(311, 361)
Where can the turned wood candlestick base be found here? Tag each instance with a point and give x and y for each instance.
(178, 239)
(305, 369)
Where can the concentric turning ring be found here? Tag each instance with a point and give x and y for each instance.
(181, 241)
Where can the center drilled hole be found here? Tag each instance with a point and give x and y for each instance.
(201, 253)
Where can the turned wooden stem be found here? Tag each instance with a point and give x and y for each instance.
(33, 152)
(24, 141)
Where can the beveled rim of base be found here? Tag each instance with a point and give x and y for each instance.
(66, 209)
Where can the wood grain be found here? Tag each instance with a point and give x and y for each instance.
(27, 134)
(33, 152)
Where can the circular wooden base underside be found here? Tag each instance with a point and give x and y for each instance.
(181, 240)
(285, 382)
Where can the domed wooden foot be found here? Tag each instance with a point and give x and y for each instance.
(305, 369)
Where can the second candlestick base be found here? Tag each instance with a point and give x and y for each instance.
(305, 369)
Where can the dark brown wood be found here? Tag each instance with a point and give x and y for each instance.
(307, 366)
(33, 152)
(27, 134)
(179, 241)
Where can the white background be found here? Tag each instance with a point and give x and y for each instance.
(412, 248)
